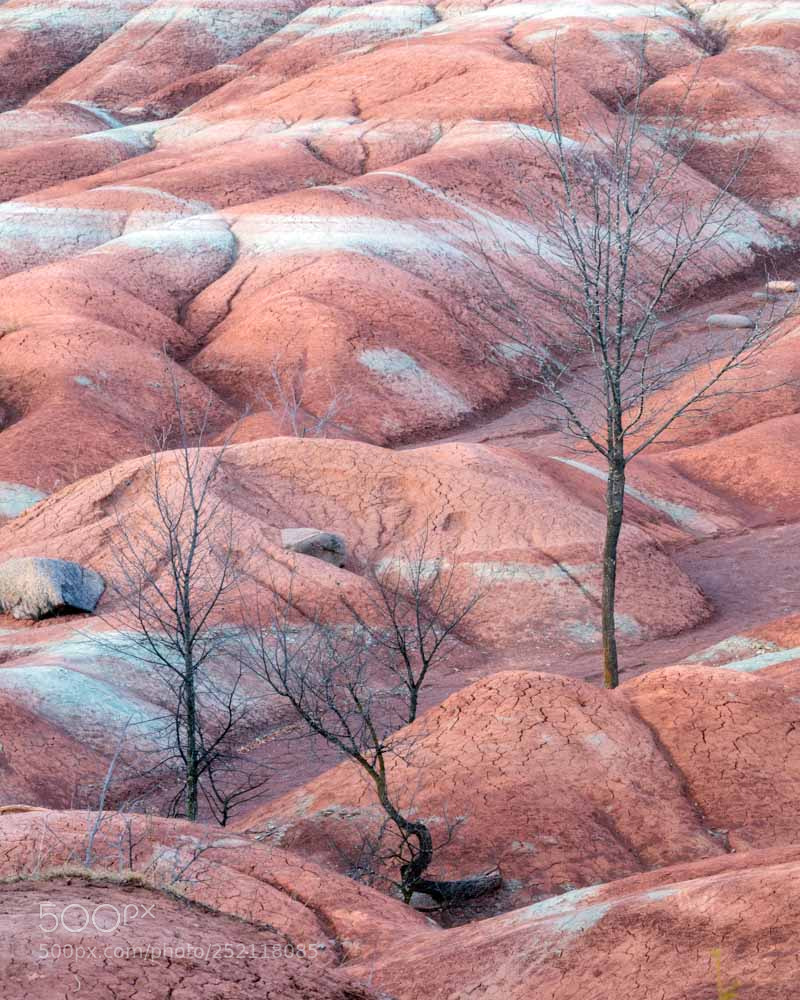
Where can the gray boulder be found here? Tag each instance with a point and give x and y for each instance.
(730, 321)
(323, 545)
(33, 587)
(784, 287)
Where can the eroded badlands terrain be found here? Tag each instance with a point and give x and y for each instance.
(286, 208)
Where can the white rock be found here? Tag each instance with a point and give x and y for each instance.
(788, 287)
(730, 321)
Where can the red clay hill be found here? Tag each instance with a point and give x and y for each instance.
(294, 212)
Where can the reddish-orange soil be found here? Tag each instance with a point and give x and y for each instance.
(162, 947)
(289, 210)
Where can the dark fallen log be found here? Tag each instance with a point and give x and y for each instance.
(450, 893)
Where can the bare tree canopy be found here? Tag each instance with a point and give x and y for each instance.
(627, 227)
(176, 575)
(415, 615)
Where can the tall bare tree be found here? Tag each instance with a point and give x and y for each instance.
(628, 223)
(338, 687)
(177, 569)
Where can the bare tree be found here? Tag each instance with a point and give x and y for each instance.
(337, 686)
(97, 822)
(177, 567)
(285, 400)
(415, 615)
(626, 228)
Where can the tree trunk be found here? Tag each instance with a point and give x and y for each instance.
(413, 701)
(421, 857)
(442, 891)
(460, 890)
(615, 502)
(192, 766)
